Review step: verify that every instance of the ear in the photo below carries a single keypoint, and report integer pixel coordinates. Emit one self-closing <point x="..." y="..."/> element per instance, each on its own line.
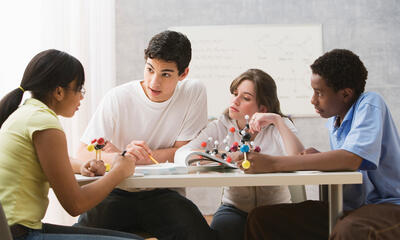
<point x="58" y="94"/>
<point x="263" y="109"/>
<point x="347" y="94"/>
<point x="184" y="74"/>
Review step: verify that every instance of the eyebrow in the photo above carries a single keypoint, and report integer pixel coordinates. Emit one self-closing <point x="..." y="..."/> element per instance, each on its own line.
<point x="245" y="93"/>
<point x="164" y="70"/>
<point x="249" y="93"/>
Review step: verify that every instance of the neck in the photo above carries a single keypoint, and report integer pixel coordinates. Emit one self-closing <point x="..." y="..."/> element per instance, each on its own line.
<point x="240" y="124"/>
<point x="50" y="104"/>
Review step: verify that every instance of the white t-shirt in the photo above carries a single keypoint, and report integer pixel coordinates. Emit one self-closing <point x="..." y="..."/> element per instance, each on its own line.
<point x="126" y="114"/>
<point x="270" y="142"/>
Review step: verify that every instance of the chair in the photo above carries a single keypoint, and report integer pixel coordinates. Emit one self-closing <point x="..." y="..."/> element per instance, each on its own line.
<point x="5" y="233"/>
<point x="297" y="193"/>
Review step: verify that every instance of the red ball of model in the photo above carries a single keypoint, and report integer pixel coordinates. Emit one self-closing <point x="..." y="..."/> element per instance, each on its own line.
<point x="100" y="141"/>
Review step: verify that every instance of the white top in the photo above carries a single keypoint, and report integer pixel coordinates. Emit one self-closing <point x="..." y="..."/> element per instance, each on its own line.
<point x="126" y="114"/>
<point x="270" y="142"/>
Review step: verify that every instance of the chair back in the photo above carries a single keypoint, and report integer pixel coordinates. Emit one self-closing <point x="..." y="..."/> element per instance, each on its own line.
<point x="298" y="193"/>
<point x="5" y="233"/>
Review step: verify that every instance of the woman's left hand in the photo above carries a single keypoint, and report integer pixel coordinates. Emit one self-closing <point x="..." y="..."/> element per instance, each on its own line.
<point x="260" y="120"/>
<point x="93" y="168"/>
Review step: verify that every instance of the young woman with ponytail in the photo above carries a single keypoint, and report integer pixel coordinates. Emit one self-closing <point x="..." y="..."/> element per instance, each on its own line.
<point x="34" y="156"/>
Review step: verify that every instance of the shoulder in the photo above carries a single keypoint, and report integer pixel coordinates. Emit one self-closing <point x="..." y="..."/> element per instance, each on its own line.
<point x="289" y="123"/>
<point x="40" y="119"/>
<point x="370" y="99"/>
<point x="224" y="122"/>
<point x="192" y="86"/>
<point x="123" y="90"/>
<point x="121" y="94"/>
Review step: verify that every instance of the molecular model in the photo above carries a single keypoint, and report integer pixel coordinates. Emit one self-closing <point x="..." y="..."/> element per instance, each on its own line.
<point x="245" y="145"/>
<point x="97" y="145"/>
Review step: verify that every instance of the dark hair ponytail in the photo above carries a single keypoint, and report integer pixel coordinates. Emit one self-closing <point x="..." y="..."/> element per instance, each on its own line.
<point x="45" y="72"/>
<point x="9" y="104"/>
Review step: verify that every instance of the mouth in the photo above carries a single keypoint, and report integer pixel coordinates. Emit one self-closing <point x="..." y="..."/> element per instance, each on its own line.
<point x="233" y="109"/>
<point x="318" y="110"/>
<point x="154" y="92"/>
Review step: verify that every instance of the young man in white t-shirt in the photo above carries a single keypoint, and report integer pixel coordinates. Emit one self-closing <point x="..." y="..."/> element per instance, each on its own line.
<point x="151" y="117"/>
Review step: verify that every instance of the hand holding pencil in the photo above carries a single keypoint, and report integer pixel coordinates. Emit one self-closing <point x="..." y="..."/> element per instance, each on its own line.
<point x="142" y="152"/>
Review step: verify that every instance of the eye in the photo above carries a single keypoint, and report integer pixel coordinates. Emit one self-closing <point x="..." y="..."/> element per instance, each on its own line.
<point x="166" y="75"/>
<point x="246" y="98"/>
<point x="150" y="70"/>
<point x="318" y="93"/>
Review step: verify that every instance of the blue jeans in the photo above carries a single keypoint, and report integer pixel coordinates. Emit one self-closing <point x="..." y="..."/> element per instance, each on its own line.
<point x="162" y="213"/>
<point x="57" y="232"/>
<point x="229" y="222"/>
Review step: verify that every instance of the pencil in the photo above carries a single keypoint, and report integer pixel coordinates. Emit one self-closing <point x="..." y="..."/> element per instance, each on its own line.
<point x="155" y="161"/>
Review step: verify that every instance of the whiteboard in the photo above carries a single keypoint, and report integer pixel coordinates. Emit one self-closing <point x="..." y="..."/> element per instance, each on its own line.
<point x="285" y="52"/>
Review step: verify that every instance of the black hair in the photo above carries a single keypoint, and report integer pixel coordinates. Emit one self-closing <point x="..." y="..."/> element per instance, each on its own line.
<point x="170" y="46"/>
<point x="341" y="69"/>
<point x="45" y="72"/>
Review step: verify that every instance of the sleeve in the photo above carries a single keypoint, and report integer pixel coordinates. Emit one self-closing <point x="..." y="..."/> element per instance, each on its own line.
<point x="196" y="116"/>
<point x="365" y="136"/>
<point x="103" y="120"/>
<point x="42" y="120"/>
<point x="210" y="131"/>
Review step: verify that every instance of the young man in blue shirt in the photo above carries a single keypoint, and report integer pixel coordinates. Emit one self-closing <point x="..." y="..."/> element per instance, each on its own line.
<point x="363" y="137"/>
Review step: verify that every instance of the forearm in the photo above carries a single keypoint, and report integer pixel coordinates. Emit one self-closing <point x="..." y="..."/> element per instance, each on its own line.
<point x="76" y="165"/>
<point x="88" y="196"/>
<point x="165" y="154"/>
<point x="293" y="146"/>
<point x="326" y="161"/>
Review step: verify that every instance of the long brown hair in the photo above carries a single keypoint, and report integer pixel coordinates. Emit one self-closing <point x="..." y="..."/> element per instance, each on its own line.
<point x="264" y="87"/>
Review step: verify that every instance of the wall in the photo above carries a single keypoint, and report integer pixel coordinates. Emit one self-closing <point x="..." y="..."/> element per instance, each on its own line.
<point x="367" y="27"/>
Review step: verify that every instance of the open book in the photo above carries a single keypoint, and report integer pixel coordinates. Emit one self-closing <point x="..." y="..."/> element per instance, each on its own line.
<point x="197" y="157"/>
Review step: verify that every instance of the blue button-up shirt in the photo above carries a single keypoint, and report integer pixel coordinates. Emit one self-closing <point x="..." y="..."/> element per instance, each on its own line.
<point x="368" y="131"/>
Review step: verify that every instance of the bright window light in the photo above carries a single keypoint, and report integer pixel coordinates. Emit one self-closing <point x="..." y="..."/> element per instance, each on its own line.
<point x="20" y="25"/>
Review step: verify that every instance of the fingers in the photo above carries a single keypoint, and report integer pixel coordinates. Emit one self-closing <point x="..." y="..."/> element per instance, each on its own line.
<point x="97" y="167"/>
<point x="260" y="120"/>
<point x="85" y="169"/>
<point x="142" y="144"/>
<point x="139" y="152"/>
<point x="86" y="172"/>
<point x="256" y="122"/>
<point x="110" y="148"/>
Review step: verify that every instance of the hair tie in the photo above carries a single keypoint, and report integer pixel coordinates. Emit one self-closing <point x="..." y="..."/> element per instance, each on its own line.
<point x="23" y="90"/>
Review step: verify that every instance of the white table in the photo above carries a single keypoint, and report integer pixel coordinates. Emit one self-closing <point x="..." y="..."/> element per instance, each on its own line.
<point x="334" y="180"/>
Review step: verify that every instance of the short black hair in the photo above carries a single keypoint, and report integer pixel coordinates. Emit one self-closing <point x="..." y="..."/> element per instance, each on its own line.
<point x="170" y="46"/>
<point x="341" y="69"/>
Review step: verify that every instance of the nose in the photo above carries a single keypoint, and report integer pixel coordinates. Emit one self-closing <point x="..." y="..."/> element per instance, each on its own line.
<point x="155" y="81"/>
<point x="236" y="100"/>
<point x="314" y="99"/>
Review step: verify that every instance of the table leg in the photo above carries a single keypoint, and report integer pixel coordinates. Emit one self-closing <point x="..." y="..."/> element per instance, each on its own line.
<point x="335" y="194"/>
